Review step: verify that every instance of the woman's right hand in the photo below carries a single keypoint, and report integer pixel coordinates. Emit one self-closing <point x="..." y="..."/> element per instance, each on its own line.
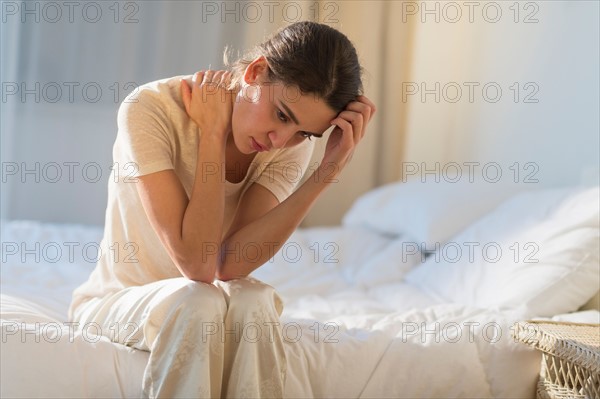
<point x="208" y="102"/>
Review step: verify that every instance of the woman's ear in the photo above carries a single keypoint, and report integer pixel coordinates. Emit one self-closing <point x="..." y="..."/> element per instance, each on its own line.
<point x="255" y="70"/>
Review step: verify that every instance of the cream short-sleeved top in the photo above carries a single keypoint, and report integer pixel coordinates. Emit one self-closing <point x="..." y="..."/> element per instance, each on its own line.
<point x="155" y="133"/>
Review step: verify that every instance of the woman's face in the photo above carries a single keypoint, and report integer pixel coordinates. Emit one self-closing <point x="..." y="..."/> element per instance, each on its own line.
<point x="271" y="115"/>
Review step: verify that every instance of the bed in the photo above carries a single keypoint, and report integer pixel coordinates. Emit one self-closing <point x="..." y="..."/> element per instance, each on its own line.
<point x="413" y="295"/>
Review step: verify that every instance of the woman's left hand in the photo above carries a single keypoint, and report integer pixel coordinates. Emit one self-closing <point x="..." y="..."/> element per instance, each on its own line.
<point x="351" y="125"/>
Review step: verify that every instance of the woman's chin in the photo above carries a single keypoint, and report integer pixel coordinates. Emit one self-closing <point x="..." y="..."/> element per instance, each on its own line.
<point x="244" y="149"/>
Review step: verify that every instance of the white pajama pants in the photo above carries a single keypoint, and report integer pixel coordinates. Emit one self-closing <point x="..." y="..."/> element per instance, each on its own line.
<point x="205" y="340"/>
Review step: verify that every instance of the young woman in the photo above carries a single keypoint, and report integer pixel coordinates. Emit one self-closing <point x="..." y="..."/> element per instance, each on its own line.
<point x="203" y="194"/>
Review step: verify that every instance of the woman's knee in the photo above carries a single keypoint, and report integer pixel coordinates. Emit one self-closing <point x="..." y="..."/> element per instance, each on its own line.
<point x="185" y="303"/>
<point x="198" y="296"/>
<point x="188" y="298"/>
<point x="251" y="296"/>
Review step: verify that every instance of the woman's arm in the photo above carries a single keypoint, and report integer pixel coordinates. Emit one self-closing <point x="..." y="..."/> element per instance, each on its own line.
<point x="252" y="245"/>
<point x="262" y="223"/>
<point x="191" y="230"/>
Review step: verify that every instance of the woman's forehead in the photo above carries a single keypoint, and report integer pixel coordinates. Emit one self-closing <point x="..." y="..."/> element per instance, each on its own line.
<point x="292" y="96"/>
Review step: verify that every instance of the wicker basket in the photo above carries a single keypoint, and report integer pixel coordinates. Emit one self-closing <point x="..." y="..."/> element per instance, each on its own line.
<point x="570" y="360"/>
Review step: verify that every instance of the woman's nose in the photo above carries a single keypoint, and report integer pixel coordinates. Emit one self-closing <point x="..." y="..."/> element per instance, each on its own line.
<point x="279" y="138"/>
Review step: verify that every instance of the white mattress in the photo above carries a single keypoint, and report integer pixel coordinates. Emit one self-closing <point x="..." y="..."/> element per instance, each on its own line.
<point x="355" y="329"/>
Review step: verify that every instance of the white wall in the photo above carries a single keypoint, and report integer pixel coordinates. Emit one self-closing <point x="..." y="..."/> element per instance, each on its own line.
<point x="558" y="134"/>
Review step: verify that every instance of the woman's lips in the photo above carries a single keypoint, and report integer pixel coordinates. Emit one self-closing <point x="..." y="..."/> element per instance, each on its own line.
<point x="257" y="146"/>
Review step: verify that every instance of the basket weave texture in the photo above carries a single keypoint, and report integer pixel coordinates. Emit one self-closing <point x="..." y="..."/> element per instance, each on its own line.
<point x="570" y="357"/>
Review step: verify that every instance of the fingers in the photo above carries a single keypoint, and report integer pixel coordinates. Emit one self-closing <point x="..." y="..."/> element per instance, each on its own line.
<point x="347" y="139"/>
<point x="358" y="113"/>
<point x="197" y="82"/>
<point x="186" y="95"/>
<point x="226" y="79"/>
<point x="356" y="119"/>
<point x="219" y="78"/>
<point x="208" y="76"/>
<point x="198" y="76"/>
<point x="365" y="100"/>
<point x="211" y="79"/>
<point x="362" y="108"/>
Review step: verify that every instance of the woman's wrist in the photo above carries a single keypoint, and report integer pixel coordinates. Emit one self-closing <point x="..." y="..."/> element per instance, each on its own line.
<point x="326" y="173"/>
<point x="213" y="137"/>
<point x="320" y="179"/>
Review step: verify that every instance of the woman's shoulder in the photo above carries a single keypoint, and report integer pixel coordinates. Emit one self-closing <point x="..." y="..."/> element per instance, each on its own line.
<point x="300" y="153"/>
<point x="297" y="152"/>
<point x="162" y="89"/>
<point x="162" y="96"/>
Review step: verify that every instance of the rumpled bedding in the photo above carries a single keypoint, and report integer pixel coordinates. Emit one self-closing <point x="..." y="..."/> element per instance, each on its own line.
<point x="352" y="326"/>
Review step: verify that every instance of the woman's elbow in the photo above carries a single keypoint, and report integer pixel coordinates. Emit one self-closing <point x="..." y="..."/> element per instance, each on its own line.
<point x="225" y="274"/>
<point x="202" y="272"/>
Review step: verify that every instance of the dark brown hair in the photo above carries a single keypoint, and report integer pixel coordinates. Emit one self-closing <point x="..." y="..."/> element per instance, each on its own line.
<point x="316" y="58"/>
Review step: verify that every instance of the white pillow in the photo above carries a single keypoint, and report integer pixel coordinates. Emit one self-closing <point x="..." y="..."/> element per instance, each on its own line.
<point x="548" y="261"/>
<point x="428" y="212"/>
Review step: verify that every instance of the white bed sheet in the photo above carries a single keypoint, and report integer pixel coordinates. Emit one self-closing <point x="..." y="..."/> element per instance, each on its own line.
<point x="352" y="327"/>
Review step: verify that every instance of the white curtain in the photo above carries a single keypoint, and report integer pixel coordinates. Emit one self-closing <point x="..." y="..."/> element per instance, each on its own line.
<point x="66" y="66"/>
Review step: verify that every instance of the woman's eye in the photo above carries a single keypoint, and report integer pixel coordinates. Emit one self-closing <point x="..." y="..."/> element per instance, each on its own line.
<point x="282" y="117"/>
<point x="306" y="135"/>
